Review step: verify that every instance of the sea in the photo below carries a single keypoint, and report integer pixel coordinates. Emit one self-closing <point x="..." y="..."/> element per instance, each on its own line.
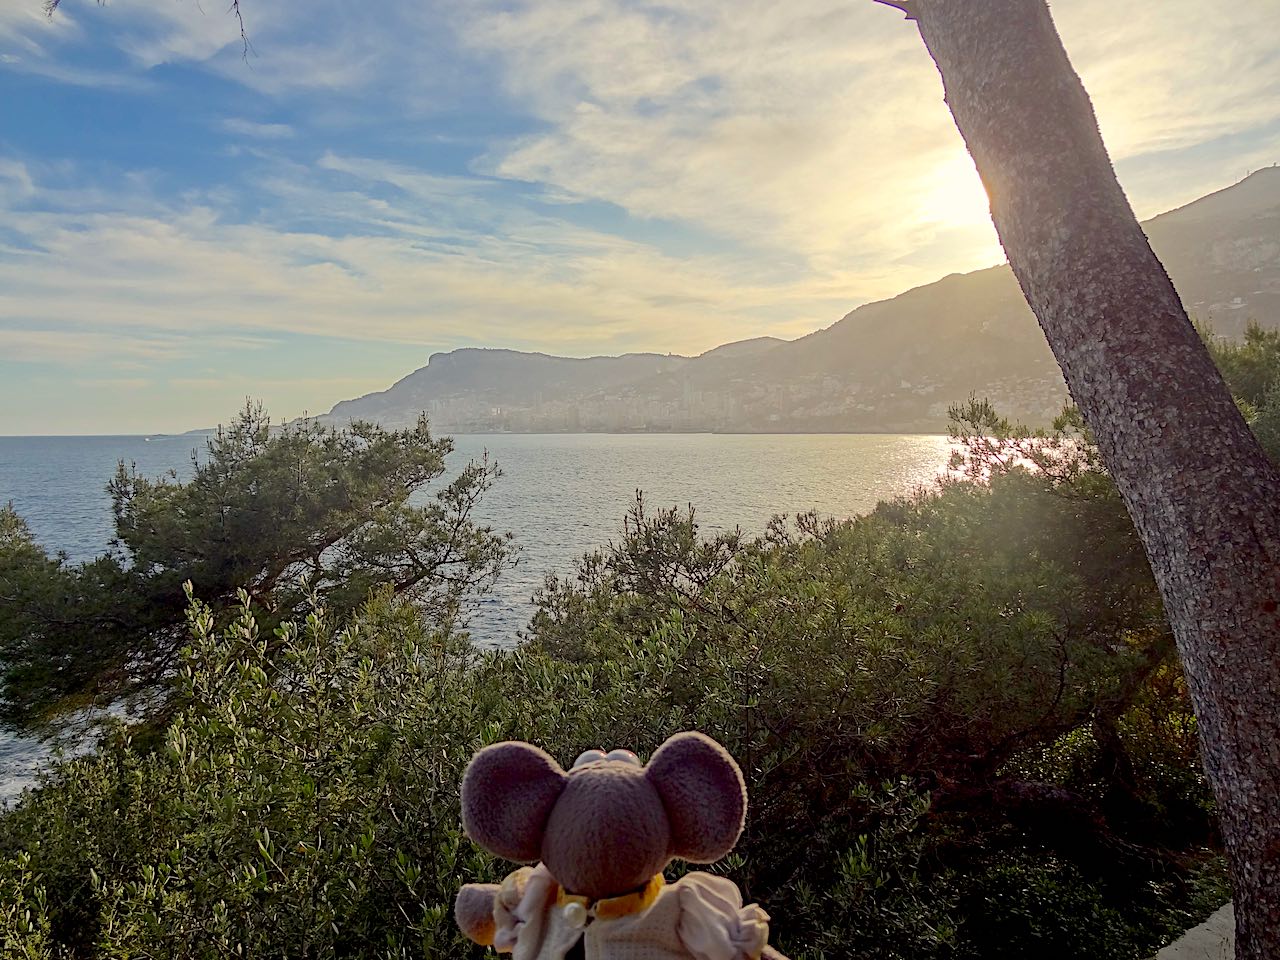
<point x="560" y="495"/>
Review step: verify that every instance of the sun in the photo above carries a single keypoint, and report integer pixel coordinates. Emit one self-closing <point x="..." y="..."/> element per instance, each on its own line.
<point x="952" y="200"/>
<point x="953" y="194"/>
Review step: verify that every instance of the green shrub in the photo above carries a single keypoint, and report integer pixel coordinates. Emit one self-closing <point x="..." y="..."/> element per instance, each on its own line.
<point x="285" y="512"/>
<point x="914" y="698"/>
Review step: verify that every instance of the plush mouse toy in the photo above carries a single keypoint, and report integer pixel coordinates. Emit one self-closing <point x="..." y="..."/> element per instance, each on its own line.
<point x="603" y="832"/>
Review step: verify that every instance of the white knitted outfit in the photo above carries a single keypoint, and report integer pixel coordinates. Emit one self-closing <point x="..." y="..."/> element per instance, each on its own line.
<point x="699" y="917"/>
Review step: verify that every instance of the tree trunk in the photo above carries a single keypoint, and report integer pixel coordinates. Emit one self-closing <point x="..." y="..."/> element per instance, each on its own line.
<point x="1202" y="494"/>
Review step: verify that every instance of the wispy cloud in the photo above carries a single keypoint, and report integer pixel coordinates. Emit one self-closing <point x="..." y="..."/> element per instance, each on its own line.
<point x="1174" y="74"/>
<point x="814" y="129"/>
<point x="26" y="26"/>
<point x="15" y="181"/>
<point x="249" y="384"/>
<point x="431" y="266"/>
<point x="30" y="42"/>
<point x="113" y="383"/>
<point x="1186" y="93"/>
<point x="157" y="34"/>
<point x="79" y="347"/>
<point x="258" y="131"/>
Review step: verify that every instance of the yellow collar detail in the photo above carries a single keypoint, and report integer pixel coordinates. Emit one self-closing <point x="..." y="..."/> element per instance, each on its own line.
<point x="615" y="907"/>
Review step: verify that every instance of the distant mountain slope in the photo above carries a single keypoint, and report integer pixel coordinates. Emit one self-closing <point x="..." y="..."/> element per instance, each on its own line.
<point x="1223" y="252"/>
<point x="892" y="365"/>
<point x="742" y="348"/>
<point x="468" y="384"/>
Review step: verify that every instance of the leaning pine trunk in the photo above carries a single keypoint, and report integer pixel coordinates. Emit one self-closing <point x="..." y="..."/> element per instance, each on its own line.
<point x="1203" y="495"/>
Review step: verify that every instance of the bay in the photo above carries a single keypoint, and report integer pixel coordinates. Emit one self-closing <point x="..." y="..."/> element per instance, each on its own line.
<point x="560" y="495"/>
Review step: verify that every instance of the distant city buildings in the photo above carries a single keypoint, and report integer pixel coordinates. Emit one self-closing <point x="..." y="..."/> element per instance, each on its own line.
<point x="814" y="403"/>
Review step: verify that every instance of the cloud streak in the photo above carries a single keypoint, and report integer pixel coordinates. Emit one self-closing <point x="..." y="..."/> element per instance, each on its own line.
<point x="408" y="271"/>
<point x="257" y="131"/>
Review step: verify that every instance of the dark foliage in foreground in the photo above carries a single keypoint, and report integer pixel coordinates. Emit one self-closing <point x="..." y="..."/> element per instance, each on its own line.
<point x="964" y="734"/>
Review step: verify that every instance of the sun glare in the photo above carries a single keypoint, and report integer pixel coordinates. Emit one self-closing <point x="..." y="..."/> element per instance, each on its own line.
<point x="952" y="198"/>
<point x="953" y="194"/>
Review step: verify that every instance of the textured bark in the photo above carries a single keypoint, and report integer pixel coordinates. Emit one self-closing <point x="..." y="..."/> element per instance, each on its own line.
<point x="1203" y="495"/>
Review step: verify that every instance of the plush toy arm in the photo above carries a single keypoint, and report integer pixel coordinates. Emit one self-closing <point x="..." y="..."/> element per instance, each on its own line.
<point x="473" y="909"/>
<point x="493" y="915"/>
<point x="714" y="925"/>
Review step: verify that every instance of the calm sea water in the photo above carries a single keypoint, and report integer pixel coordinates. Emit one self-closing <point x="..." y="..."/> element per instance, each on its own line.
<point x="560" y="495"/>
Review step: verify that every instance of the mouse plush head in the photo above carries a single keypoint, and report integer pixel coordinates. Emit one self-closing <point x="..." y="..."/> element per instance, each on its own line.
<point x="609" y="825"/>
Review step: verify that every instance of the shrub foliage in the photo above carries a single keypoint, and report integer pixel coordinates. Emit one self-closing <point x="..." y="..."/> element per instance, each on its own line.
<point x="949" y="754"/>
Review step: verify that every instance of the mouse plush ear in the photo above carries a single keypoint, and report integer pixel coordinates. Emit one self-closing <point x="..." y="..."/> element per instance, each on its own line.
<point x="703" y="794"/>
<point x="507" y="795"/>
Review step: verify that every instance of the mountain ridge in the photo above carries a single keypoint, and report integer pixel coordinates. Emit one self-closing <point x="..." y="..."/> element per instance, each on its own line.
<point x="889" y="365"/>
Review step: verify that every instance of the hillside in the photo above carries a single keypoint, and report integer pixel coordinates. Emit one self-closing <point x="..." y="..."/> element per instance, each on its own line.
<point x="465" y="387"/>
<point x="891" y="365"/>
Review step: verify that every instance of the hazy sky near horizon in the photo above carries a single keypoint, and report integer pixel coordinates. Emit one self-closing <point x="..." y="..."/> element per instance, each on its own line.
<point x="182" y="226"/>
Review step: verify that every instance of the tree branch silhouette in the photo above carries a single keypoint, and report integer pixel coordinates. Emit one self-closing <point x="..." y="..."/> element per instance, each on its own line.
<point x="51" y="7"/>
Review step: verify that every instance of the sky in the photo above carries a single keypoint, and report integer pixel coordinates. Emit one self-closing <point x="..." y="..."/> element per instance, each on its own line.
<point x="185" y="224"/>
